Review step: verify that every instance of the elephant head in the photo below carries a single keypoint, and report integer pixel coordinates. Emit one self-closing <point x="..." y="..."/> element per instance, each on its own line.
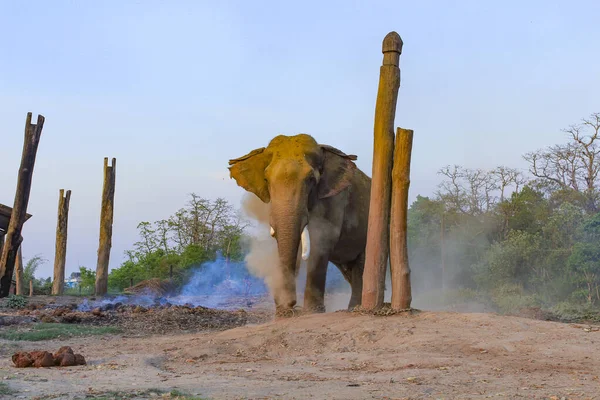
<point x="293" y="173"/>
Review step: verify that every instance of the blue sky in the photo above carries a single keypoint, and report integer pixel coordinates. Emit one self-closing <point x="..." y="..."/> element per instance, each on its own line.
<point x="175" y="89"/>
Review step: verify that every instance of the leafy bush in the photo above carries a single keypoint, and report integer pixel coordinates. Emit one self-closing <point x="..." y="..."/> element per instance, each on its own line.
<point x="569" y="312"/>
<point x="16" y="301"/>
<point x="512" y="298"/>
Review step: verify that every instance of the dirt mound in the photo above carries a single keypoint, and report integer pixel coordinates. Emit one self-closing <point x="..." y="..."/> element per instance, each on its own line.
<point x="64" y="357"/>
<point x="152" y="287"/>
<point x="420" y="354"/>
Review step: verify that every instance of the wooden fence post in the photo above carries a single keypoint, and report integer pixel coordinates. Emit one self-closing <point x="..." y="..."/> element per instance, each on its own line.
<point x="60" y="255"/>
<point x="400" y="269"/>
<point x="30" y="288"/>
<point x="19" y="272"/>
<point x="33" y="132"/>
<point x="377" y="248"/>
<point x="106" y="221"/>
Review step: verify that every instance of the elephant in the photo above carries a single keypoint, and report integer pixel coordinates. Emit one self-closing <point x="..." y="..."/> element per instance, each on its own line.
<point x="319" y="206"/>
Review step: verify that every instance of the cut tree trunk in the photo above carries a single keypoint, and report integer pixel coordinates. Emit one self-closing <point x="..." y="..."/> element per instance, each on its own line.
<point x="19" y="272"/>
<point x="378" y="242"/>
<point x="33" y="132"/>
<point x="60" y="255"/>
<point x="400" y="269"/>
<point x="106" y="222"/>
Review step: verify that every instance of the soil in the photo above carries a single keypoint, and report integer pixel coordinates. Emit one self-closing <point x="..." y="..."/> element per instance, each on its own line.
<point x="338" y="355"/>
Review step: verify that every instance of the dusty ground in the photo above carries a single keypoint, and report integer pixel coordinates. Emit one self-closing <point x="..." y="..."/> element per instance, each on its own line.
<point x="430" y="355"/>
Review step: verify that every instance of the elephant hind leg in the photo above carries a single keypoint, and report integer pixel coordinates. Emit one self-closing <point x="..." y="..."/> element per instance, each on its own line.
<point x="353" y="273"/>
<point x="356" y="269"/>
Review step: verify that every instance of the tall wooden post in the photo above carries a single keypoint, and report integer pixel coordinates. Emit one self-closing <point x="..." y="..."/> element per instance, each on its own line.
<point x="400" y="269"/>
<point x="443" y="250"/>
<point x="33" y="132"/>
<point x="19" y="272"/>
<point x="30" y="288"/>
<point x="60" y="255"/>
<point x="378" y="242"/>
<point x="106" y="221"/>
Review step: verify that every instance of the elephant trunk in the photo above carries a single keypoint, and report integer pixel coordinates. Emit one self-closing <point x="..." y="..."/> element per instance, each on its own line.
<point x="291" y="232"/>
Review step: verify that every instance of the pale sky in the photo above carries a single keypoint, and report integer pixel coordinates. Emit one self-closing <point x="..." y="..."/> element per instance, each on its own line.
<point x="175" y="89"/>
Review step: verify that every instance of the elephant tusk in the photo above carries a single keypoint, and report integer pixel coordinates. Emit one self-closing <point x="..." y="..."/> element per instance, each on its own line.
<point x="272" y="232"/>
<point x="305" y="243"/>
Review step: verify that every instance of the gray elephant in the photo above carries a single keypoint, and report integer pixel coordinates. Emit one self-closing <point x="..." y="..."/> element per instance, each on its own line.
<point x="319" y="204"/>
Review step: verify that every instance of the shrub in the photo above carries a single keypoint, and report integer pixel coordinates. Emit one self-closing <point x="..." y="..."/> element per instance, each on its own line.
<point x="16" y="301"/>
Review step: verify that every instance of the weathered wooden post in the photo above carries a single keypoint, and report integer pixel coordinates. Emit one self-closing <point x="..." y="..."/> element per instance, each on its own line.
<point x="33" y="132"/>
<point x="30" y="288"/>
<point x="60" y="255"/>
<point x="378" y="242"/>
<point x="19" y="271"/>
<point x="106" y="221"/>
<point x="400" y="269"/>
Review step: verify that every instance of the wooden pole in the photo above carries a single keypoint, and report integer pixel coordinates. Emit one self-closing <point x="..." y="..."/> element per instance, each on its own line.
<point x="30" y="288"/>
<point x="106" y="221"/>
<point x="378" y="242"/>
<point x="19" y="272"/>
<point x="443" y="250"/>
<point x="33" y="132"/>
<point x="400" y="269"/>
<point x="60" y="255"/>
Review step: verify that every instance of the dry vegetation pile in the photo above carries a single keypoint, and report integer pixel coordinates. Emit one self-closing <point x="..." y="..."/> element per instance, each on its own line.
<point x="136" y="319"/>
<point x="153" y="287"/>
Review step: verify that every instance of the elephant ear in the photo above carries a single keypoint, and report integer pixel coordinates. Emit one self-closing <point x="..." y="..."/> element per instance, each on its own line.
<point x="338" y="170"/>
<point x="249" y="173"/>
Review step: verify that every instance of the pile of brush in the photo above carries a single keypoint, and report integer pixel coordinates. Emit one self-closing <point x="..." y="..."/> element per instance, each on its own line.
<point x="152" y="287"/>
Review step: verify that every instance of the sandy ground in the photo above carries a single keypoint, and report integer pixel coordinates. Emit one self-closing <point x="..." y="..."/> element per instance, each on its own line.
<point x="430" y="355"/>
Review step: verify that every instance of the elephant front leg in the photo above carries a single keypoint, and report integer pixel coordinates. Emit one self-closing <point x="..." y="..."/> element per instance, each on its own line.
<point x="316" y="274"/>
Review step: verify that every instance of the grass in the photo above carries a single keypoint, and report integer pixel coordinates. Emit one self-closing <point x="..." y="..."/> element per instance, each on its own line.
<point x="4" y="389"/>
<point x="161" y="394"/>
<point x="48" y="331"/>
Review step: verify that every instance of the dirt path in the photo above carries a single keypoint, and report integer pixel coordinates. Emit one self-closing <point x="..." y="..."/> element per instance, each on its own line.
<point x="439" y="355"/>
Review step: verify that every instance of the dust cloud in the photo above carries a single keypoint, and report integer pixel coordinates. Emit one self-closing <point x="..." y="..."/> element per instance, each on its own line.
<point x="262" y="259"/>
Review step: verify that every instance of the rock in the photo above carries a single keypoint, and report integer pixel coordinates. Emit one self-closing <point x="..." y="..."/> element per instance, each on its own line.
<point x="59" y="355"/>
<point x="22" y="360"/>
<point x="68" y="360"/>
<point x="64" y="357"/>
<point x="79" y="359"/>
<point x="43" y="360"/>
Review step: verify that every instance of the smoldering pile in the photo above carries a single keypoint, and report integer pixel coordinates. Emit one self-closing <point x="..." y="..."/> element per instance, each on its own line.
<point x="158" y="316"/>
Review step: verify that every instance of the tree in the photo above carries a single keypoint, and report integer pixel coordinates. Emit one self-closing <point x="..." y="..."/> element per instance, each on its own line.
<point x="87" y="279"/>
<point x="31" y="267"/>
<point x="584" y="262"/>
<point x="573" y="166"/>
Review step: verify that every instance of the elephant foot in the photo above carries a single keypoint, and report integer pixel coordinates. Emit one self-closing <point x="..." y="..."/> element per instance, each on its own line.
<point x="314" y="309"/>
<point x="287" y="312"/>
